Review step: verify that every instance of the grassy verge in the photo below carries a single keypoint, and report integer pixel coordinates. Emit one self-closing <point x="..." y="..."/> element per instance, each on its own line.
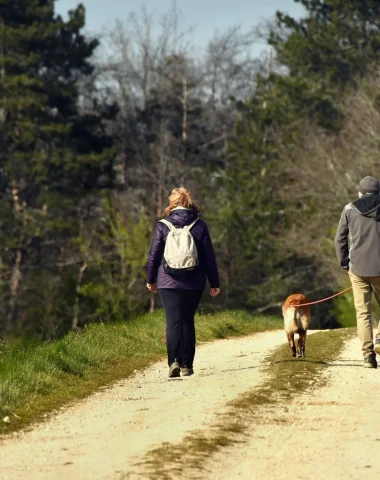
<point x="36" y="380"/>
<point x="287" y="378"/>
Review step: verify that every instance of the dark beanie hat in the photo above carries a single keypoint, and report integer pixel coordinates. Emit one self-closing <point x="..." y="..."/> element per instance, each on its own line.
<point x="369" y="185"/>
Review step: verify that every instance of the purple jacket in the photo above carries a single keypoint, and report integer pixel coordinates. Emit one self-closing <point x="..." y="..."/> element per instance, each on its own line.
<point x="195" y="280"/>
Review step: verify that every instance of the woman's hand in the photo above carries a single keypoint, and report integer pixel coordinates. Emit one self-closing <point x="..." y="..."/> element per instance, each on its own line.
<point x="152" y="287"/>
<point x="214" y="292"/>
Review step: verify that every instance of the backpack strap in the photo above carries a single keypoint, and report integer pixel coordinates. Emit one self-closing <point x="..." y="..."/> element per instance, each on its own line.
<point x="168" y="224"/>
<point x="189" y="227"/>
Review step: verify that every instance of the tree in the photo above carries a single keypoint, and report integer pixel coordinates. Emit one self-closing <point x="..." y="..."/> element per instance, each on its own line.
<point x="51" y="157"/>
<point x="177" y="113"/>
<point x="337" y="41"/>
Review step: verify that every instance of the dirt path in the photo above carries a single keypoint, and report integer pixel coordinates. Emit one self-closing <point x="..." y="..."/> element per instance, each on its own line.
<point x="104" y="436"/>
<point x="327" y="434"/>
<point x="330" y="433"/>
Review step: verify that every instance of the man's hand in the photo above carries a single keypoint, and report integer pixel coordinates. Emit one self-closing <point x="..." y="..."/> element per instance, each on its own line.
<point x="152" y="287"/>
<point x="214" y="292"/>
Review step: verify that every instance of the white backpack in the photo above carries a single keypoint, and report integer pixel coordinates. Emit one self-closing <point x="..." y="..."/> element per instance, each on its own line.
<point x="180" y="254"/>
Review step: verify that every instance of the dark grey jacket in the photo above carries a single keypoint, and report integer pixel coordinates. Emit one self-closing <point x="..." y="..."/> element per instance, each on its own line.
<point x="357" y="240"/>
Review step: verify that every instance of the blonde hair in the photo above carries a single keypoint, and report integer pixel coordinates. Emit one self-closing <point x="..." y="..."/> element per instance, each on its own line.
<point x="180" y="197"/>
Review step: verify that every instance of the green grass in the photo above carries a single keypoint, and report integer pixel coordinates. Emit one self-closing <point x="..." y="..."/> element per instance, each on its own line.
<point x="38" y="379"/>
<point x="287" y="379"/>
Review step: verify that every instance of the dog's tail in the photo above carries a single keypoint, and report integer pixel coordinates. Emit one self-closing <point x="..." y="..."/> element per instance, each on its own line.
<point x="297" y="317"/>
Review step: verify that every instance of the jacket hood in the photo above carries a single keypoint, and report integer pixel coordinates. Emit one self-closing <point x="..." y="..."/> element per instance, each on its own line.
<point x="368" y="206"/>
<point x="182" y="217"/>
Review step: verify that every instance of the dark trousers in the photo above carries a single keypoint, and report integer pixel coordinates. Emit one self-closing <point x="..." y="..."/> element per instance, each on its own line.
<point x="180" y="307"/>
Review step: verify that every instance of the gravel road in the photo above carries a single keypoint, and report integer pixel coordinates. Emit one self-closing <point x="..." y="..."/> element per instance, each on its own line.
<point x="104" y="436"/>
<point x="327" y="433"/>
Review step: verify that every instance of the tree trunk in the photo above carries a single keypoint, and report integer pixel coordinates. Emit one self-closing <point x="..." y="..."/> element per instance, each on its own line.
<point x="184" y="103"/>
<point x="74" y="323"/>
<point x="159" y="199"/>
<point x="15" y="280"/>
<point x="14" y="289"/>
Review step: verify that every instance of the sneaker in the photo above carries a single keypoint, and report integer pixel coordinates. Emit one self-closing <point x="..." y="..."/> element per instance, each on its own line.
<point x="370" y="362"/>
<point x="174" y="370"/>
<point x="377" y="346"/>
<point x="186" y="371"/>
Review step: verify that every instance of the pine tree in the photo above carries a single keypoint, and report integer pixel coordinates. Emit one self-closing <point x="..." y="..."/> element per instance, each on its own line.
<point x="337" y="41"/>
<point x="51" y="156"/>
<point x="322" y="55"/>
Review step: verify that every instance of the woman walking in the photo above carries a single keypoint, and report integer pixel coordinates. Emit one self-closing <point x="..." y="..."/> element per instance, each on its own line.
<point x="181" y="256"/>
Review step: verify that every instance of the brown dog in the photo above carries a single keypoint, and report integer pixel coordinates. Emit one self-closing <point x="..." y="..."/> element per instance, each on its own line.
<point x="296" y="320"/>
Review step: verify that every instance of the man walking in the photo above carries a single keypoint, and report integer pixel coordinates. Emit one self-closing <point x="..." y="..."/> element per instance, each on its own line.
<point x="360" y="222"/>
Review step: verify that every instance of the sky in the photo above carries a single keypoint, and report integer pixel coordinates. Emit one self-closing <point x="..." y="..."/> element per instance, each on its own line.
<point x="207" y="16"/>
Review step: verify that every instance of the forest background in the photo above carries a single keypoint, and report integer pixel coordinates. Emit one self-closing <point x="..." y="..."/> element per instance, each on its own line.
<point x="96" y="130"/>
